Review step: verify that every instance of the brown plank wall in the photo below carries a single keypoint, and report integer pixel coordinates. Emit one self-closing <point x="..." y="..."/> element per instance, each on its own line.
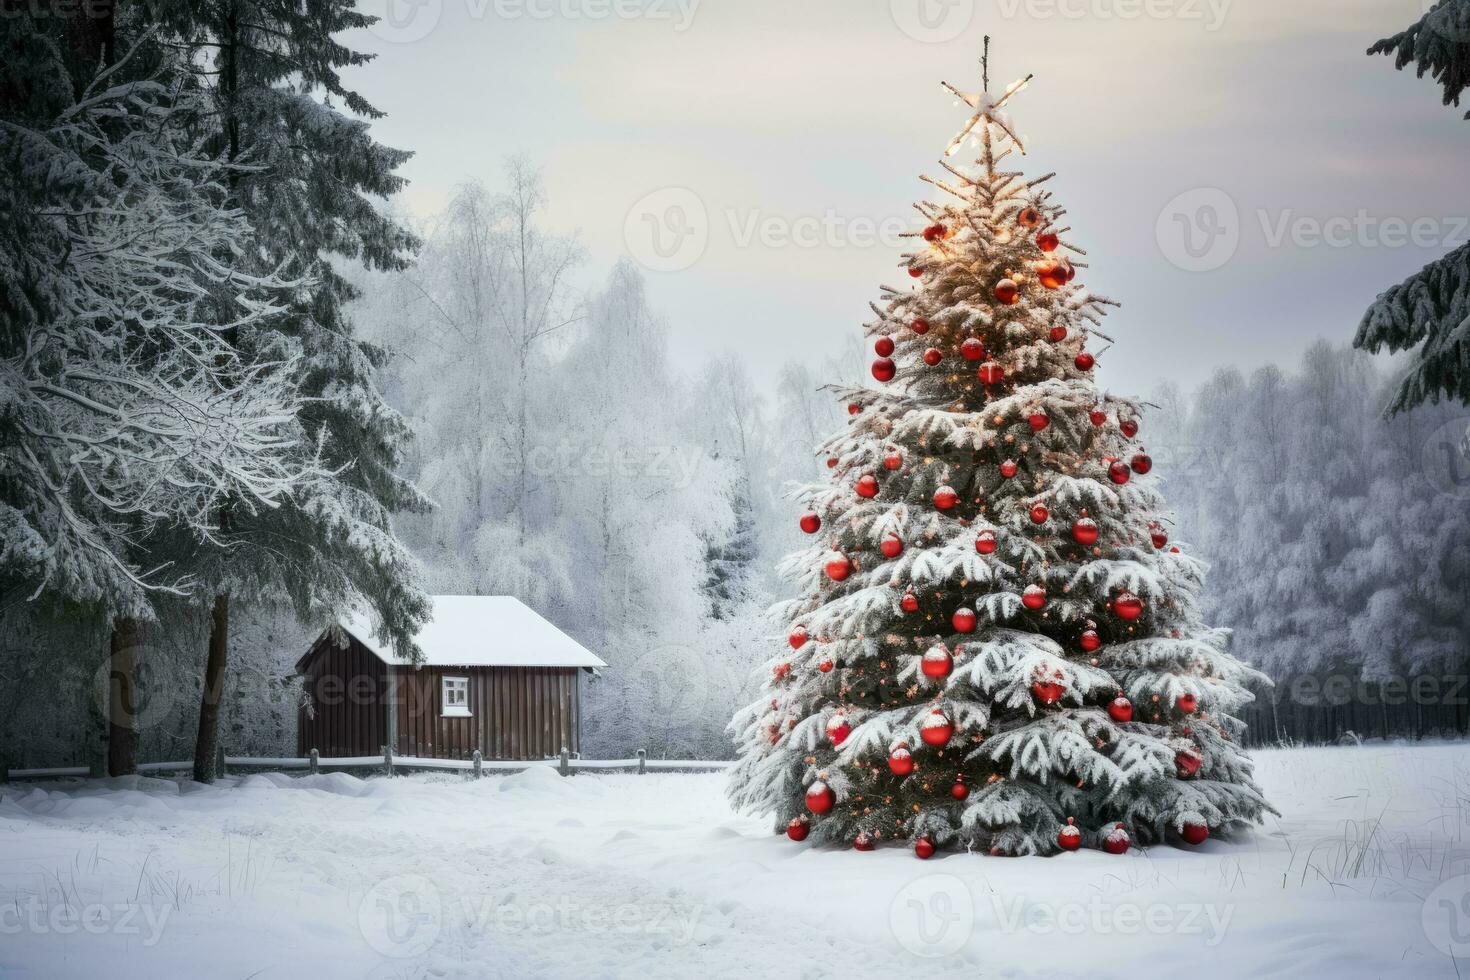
<point x="346" y="713"/>
<point x="516" y="713"/>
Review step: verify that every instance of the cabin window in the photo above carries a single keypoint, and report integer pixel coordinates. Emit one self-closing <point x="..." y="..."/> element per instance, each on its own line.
<point x="456" y="697"/>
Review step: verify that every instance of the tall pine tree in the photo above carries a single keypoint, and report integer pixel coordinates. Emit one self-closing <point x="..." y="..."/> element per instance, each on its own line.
<point x="314" y="176"/>
<point x="1430" y="310"/>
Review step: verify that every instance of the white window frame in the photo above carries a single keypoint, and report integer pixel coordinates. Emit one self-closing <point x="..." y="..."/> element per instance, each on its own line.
<point x="447" y="709"/>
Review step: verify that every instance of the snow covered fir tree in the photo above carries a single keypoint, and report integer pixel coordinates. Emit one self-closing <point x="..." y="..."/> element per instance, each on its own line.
<point x="996" y="646"/>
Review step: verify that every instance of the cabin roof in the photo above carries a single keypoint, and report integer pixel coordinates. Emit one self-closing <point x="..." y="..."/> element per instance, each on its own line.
<point x="480" y="631"/>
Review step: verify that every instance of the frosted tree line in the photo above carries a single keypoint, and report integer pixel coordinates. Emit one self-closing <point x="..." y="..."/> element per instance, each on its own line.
<point x="1338" y="541"/>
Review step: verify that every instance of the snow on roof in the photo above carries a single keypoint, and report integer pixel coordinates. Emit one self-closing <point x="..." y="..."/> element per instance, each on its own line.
<point x="481" y="631"/>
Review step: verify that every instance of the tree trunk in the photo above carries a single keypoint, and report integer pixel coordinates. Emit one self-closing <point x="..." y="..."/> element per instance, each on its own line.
<point x="122" y="698"/>
<point x="214" y="682"/>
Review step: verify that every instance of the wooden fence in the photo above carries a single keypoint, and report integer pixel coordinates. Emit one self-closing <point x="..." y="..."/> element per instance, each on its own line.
<point x="388" y="763"/>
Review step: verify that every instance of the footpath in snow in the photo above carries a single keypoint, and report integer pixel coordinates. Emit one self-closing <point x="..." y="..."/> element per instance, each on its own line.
<point x="1365" y="874"/>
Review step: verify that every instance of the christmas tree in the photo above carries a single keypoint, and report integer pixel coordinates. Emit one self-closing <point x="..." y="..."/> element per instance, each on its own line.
<point x="996" y="646"/>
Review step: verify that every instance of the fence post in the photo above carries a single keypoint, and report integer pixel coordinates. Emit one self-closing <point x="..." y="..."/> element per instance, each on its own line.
<point x="478" y="759"/>
<point x="314" y="762"/>
<point x="565" y="768"/>
<point x="387" y="760"/>
<point x="642" y="761"/>
<point x="219" y="759"/>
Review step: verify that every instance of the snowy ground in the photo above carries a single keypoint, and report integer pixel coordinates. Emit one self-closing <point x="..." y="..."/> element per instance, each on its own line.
<point x="533" y="875"/>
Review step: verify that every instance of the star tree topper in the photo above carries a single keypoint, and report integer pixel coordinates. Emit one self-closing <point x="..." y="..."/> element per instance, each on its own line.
<point x="985" y="107"/>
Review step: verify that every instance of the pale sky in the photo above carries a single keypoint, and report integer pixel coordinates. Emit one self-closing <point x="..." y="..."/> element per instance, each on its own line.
<point x="799" y="128"/>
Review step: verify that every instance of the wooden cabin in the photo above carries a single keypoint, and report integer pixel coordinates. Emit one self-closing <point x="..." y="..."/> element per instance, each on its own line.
<point x="495" y="677"/>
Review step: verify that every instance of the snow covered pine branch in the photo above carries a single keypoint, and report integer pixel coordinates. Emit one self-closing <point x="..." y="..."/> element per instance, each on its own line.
<point x="996" y="645"/>
<point x="126" y="401"/>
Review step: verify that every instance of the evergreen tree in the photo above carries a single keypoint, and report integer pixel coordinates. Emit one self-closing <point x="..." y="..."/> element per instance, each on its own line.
<point x="1429" y="310"/>
<point x="994" y="635"/>
<point x="272" y="69"/>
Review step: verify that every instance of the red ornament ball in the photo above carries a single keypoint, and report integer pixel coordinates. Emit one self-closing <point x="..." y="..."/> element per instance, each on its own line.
<point x="1058" y="333"/>
<point x="853" y="408"/>
<point x="933" y="356"/>
<point x="1129" y="427"/>
<point x="934" y="233"/>
<point x="923" y="848"/>
<point x="1116" y="840"/>
<point x="1194" y="833"/>
<point x="909" y="603"/>
<point x="1034" y="597"/>
<point x="1187" y="703"/>
<point x="1007" y="292"/>
<point x="959" y="790"/>
<point x="1187" y="762"/>
<point x="991" y="373"/>
<point x="819" y="797"/>
<point x="810" y="522"/>
<point x="883" y="347"/>
<point x="1052" y="275"/>
<point x="936" y="729"/>
<point x="1069" y="838"/>
<point x="798" y="637"/>
<point x="839" y="566"/>
<point x="1128" y="606"/>
<point x="1119" y="473"/>
<point x="1084" y="361"/>
<point x="891" y="545"/>
<point x="1084" y="531"/>
<point x="945" y="498"/>
<point x="915" y="272"/>
<point x="831" y="462"/>
<point x="920" y="326"/>
<point x="1038" y="421"/>
<point x="1120" y="709"/>
<point x="1089" y="641"/>
<point x="798" y="828"/>
<point x="1047" y="241"/>
<point x="838" y="728"/>
<point x="825" y="666"/>
<point x="901" y="760"/>
<point x="972" y="349"/>
<point x="1159" y="539"/>
<point x="893" y="461"/>
<point x="866" y="486"/>
<point x="884" y="369"/>
<point x="963" y="620"/>
<point x="1097" y="416"/>
<point x="1008" y="468"/>
<point x="937" y="662"/>
<point x="1039" y="513"/>
<point x="985" y="542"/>
<point x="1048" y="692"/>
<point x="1141" y="463"/>
<point x="863" y="841"/>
